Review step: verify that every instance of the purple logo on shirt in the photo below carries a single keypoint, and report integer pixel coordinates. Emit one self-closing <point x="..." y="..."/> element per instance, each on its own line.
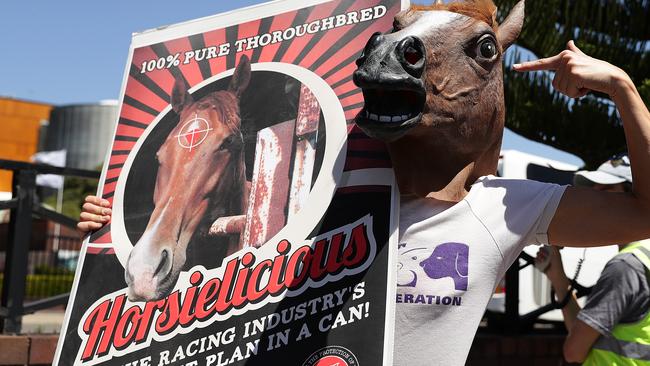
<point x="447" y="260"/>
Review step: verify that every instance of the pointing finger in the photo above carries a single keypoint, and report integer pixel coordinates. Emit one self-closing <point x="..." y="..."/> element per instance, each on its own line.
<point x="572" y="46"/>
<point x="549" y="63"/>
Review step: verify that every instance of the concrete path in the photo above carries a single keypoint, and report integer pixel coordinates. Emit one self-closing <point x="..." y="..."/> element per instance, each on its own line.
<point x="43" y="322"/>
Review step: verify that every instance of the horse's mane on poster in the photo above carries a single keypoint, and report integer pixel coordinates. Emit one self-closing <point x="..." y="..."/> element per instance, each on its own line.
<point x="483" y="10"/>
<point x="228" y="106"/>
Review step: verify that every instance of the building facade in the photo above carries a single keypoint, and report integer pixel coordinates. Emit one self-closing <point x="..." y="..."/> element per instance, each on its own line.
<point x="20" y="122"/>
<point x="84" y="131"/>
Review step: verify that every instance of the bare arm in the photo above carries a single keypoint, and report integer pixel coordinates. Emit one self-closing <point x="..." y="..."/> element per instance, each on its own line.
<point x="581" y="336"/>
<point x="586" y="217"/>
<point x="579" y="342"/>
<point x="560" y="283"/>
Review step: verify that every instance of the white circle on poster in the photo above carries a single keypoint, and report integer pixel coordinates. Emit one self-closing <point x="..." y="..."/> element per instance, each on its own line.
<point x="301" y="224"/>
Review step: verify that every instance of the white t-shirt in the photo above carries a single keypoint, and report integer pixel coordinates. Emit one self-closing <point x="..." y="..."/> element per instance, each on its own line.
<point x="451" y="257"/>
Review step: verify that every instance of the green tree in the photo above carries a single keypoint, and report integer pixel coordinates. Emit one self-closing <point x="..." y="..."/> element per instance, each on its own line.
<point x="613" y="30"/>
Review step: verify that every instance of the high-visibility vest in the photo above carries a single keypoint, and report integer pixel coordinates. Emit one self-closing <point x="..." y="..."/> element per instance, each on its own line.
<point x="629" y="344"/>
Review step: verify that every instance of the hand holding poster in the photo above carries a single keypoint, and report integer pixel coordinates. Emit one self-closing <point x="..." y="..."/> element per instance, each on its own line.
<point x="252" y="223"/>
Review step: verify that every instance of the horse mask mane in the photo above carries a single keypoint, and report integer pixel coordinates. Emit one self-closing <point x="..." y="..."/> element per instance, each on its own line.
<point x="483" y="10"/>
<point x="433" y="90"/>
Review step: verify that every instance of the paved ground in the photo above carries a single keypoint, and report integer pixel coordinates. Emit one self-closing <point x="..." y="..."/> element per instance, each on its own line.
<point x="43" y="322"/>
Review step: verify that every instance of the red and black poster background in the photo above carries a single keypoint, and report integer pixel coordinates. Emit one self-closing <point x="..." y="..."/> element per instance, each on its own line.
<point x="252" y="221"/>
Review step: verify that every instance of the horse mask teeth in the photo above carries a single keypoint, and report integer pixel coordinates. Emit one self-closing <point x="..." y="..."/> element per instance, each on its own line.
<point x="391" y="111"/>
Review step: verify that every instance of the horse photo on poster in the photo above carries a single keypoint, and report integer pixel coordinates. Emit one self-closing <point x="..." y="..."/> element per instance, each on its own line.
<point x="204" y="205"/>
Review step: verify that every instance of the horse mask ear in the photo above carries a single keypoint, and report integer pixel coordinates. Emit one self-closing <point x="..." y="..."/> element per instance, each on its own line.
<point x="180" y="96"/>
<point x="509" y="30"/>
<point x="241" y="77"/>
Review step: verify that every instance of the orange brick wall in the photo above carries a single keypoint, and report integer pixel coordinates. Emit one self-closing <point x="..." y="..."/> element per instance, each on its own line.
<point x="27" y="350"/>
<point x="19" y="125"/>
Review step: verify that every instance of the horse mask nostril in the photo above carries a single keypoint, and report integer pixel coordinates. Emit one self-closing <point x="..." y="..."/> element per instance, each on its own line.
<point x="410" y="52"/>
<point x="163" y="261"/>
<point x="412" y="55"/>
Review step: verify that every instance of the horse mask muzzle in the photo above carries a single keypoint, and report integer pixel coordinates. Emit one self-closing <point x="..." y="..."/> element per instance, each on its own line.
<point x="390" y="73"/>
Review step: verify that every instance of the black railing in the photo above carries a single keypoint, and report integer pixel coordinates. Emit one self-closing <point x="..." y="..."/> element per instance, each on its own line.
<point x="17" y="285"/>
<point x="50" y="270"/>
<point x="511" y="322"/>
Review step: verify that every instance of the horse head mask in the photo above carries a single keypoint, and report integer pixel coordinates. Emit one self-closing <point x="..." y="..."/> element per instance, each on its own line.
<point x="433" y="87"/>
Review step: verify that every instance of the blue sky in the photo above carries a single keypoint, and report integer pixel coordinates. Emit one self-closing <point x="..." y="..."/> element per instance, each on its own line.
<point x="73" y="51"/>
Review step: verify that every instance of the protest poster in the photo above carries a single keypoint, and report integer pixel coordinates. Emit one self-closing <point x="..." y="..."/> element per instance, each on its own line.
<point x="252" y="222"/>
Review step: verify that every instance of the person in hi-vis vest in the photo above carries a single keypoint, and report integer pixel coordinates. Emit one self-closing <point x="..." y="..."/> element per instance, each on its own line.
<point x="614" y="326"/>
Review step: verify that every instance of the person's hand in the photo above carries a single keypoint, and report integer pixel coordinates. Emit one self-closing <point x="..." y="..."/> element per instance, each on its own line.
<point x="95" y="213"/>
<point x="576" y="73"/>
<point x="555" y="269"/>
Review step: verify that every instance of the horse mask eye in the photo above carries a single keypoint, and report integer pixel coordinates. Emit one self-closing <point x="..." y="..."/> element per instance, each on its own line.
<point x="487" y="49"/>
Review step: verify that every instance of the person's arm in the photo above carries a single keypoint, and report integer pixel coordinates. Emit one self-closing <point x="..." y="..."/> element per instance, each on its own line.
<point x="95" y="213"/>
<point x="586" y="217"/>
<point x="581" y="336"/>
<point x="579" y="342"/>
<point x="560" y="283"/>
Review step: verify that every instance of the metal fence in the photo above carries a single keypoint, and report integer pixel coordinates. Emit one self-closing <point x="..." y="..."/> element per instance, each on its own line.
<point x="50" y="272"/>
<point x="34" y="279"/>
